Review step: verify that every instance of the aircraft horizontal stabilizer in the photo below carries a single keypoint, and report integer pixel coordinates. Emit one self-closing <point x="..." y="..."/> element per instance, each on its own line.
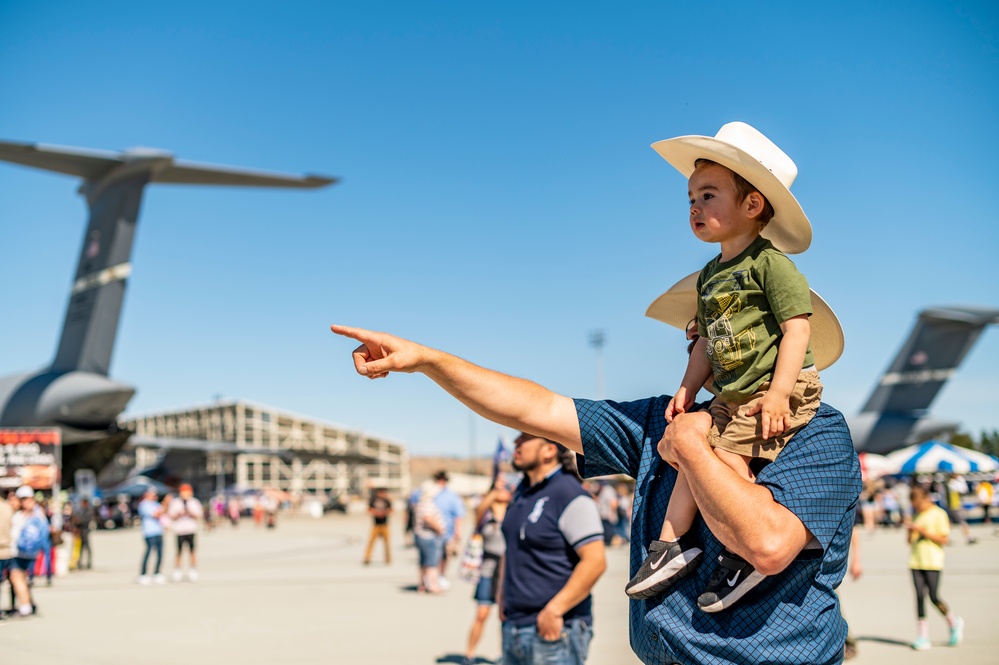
<point x="80" y="162"/>
<point x="93" y="165"/>
<point x="192" y="173"/>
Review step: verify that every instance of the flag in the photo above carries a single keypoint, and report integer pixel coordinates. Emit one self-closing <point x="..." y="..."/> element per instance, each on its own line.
<point x="501" y="455"/>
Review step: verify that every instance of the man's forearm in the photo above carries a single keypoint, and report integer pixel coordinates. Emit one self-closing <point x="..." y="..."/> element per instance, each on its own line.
<point x="504" y="399"/>
<point x="742" y="515"/>
<point x="510" y="401"/>
<point x="591" y="566"/>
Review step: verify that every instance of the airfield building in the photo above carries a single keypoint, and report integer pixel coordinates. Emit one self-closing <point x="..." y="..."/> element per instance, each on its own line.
<point x="253" y="447"/>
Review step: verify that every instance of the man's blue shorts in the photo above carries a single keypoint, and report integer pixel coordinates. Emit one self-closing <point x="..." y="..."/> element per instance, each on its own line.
<point x="430" y="550"/>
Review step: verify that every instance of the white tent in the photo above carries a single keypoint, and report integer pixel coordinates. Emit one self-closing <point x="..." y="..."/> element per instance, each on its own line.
<point x="874" y="466"/>
<point x="934" y="456"/>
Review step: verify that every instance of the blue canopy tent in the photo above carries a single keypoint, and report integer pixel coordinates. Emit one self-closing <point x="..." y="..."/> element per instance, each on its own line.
<point x="937" y="456"/>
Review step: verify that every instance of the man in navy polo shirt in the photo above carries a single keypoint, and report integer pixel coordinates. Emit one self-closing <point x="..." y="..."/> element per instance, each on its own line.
<point x="793" y="524"/>
<point x="554" y="556"/>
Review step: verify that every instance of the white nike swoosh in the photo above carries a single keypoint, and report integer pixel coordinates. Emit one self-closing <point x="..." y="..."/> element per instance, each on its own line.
<point x="734" y="579"/>
<point x="660" y="562"/>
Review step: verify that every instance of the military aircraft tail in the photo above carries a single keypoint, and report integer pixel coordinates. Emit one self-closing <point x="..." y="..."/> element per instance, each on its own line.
<point x="895" y="413"/>
<point x="113" y="184"/>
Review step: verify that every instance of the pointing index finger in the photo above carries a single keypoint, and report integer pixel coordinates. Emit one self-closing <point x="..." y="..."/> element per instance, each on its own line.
<point x="359" y="334"/>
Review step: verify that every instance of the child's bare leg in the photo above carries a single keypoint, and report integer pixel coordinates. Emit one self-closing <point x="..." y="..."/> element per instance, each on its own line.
<point x="680" y="511"/>
<point x="738" y="463"/>
<point x="676" y="553"/>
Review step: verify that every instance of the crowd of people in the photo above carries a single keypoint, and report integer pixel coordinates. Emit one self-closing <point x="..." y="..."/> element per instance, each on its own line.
<point x="37" y="538"/>
<point x="885" y="501"/>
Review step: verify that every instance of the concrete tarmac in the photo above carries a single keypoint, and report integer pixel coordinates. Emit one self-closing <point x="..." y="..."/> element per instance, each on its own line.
<point x="299" y="594"/>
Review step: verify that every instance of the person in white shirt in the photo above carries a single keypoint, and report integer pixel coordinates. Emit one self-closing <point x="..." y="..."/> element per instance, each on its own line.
<point x="185" y="513"/>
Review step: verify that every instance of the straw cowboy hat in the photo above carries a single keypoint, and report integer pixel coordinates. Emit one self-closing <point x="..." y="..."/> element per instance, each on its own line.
<point x="678" y="306"/>
<point x="752" y="155"/>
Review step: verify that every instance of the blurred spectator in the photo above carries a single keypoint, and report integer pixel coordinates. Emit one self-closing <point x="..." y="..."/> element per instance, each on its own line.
<point x="151" y="513"/>
<point x="185" y="514"/>
<point x="429" y="529"/>
<point x="453" y="510"/>
<point x="956" y="489"/>
<point x="624" y="504"/>
<point x="607" y="506"/>
<point x="82" y="519"/>
<point x="380" y="508"/>
<point x="984" y="493"/>
<point x="489" y="516"/>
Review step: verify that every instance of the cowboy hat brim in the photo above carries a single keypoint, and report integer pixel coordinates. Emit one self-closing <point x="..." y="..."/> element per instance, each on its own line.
<point x="789" y="230"/>
<point x="678" y="306"/>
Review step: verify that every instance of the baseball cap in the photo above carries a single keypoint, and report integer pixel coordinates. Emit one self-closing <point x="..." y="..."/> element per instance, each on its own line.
<point x="24" y="492"/>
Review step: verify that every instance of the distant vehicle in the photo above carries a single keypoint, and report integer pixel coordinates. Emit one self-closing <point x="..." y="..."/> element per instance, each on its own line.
<point x="74" y="392"/>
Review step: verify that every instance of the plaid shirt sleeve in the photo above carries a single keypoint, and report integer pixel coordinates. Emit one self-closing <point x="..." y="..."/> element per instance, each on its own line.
<point x="613" y="433"/>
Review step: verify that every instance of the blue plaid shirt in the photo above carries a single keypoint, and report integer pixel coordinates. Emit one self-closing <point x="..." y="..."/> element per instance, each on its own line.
<point x="792" y="617"/>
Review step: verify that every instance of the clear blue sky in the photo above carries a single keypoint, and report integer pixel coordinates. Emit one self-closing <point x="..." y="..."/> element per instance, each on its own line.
<point x="499" y="196"/>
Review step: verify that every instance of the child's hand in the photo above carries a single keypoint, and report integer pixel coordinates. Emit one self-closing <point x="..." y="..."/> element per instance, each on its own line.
<point x="679" y="404"/>
<point x="776" y="414"/>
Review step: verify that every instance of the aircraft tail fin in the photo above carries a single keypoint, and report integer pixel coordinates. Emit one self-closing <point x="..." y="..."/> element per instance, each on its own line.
<point x="113" y="183"/>
<point x="95" y="300"/>
<point x="943" y="336"/>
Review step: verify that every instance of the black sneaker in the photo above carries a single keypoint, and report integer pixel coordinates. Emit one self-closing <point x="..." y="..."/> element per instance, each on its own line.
<point x="666" y="563"/>
<point x="731" y="580"/>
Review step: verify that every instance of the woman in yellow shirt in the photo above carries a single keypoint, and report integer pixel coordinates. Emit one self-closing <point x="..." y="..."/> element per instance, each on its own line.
<point x="928" y="532"/>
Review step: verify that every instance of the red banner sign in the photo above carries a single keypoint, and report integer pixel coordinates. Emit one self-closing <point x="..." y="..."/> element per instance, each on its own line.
<point x="29" y="457"/>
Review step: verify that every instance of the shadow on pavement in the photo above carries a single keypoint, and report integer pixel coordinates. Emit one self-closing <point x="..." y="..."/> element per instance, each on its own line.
<point x="884" y="640"/>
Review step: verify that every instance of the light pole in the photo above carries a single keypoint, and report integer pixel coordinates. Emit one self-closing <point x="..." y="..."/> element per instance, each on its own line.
<point x="597" y="341"/>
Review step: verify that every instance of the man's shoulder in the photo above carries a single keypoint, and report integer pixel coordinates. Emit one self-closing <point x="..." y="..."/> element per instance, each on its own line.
<point x="566" y="488"/>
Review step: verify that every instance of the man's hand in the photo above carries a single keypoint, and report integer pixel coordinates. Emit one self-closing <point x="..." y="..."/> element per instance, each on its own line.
<point x="679" y="404"/>
<point x="856" y="568"/>
<point x="687" y="431"/>
<point x="381" y="353"/>
<point x="550" y="625"/>
<point x="776" y="410"/>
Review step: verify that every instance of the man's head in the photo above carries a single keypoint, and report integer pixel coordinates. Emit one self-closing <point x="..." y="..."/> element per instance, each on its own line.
<point x="719" y="210"/>
<point x="441" y="477"/>
<point x="150" y="494"/>
<point x="26" y="495"/>
<point x="535" y="453"/>
<point x="186" y="491"/>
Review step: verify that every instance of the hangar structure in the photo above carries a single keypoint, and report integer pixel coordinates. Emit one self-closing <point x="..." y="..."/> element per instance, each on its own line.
<point x="253" y="447"/>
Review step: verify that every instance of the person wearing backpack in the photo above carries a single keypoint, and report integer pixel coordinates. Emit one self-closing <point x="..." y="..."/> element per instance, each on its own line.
<point x="29" y="535"/>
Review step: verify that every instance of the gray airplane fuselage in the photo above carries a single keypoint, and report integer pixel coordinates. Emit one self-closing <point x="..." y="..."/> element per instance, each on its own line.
<point x="84" y="405"/>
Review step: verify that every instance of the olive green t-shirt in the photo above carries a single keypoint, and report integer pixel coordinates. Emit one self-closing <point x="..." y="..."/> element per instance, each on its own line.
<point x="741" y="304"/>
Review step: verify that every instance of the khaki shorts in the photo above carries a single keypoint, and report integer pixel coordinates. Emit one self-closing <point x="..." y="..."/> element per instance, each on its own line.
<point x="738" y="433"/>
